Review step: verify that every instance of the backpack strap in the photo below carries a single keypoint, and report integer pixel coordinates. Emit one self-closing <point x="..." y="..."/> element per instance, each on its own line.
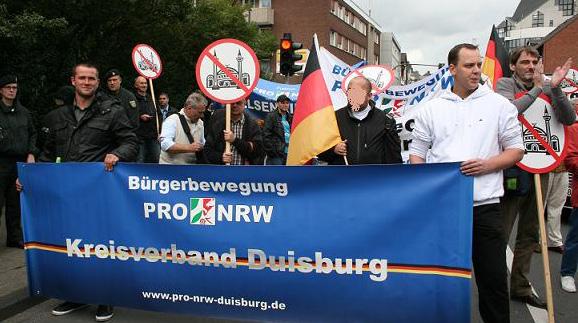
<point x="186" y="128"/>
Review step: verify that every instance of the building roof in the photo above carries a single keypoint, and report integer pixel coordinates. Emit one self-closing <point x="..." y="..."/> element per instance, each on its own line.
<point x="558" y="29"/>
<point x="526" y="7"/>
<point x="362" y="13"/>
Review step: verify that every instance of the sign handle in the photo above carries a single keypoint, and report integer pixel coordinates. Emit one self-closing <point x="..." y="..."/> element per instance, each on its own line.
<point x="155" y="105"/>
<point x="544" y="248"/>
<point x="345" y="159"/>
<point x="228" y="127"/>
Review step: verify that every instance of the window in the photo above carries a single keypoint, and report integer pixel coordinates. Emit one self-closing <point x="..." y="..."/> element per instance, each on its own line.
<point x="250" y="3"/>
<point x="566" y="6"/>
<point x="376" y="37"/>
<point x="551" y="23"/>
<point x="265" y="3"/>
<point x="376" y="59"/>
<point x="334" y="7"/>
<point x="538" y="19"/>
<point x="333" y="38"/>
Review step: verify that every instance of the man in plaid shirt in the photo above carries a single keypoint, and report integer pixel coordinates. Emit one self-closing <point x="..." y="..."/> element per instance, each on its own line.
<point x="245" y="138"/>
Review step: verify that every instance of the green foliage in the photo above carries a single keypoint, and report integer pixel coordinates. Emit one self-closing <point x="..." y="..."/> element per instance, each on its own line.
<point x="42" y="39"/>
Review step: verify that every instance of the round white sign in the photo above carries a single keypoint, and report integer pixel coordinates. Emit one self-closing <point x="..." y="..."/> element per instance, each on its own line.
<point x="147" y="61"/>
<point x="570" y="83"/>
<point x="227" y="71"/>
<point x="543" y="135"/>
<point x="380" y="76"/>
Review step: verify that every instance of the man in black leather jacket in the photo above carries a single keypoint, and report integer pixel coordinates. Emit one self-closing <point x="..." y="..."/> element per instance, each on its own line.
<point x="369" y="135"/>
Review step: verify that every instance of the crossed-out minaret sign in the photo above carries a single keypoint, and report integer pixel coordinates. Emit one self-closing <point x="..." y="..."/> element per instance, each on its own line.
<point x="544" y="137"/>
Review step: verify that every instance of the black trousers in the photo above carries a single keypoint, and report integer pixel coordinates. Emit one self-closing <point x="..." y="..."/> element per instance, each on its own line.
<point x="489" y="259"/>
<point x="10" y="198"/>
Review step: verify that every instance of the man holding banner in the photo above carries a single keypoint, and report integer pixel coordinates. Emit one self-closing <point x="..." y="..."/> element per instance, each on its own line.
<point x="472" y="124"/>
<point x="522" y="89"/>
<point x="92" y="129"/>
<point x="369" y="135"/>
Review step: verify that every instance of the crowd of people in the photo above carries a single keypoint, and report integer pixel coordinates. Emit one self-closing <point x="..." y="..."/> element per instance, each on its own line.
<point x="469" y="123"/>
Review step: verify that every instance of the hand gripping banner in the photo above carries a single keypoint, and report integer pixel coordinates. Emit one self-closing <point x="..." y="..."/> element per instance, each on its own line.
<point x="293" y="244"/>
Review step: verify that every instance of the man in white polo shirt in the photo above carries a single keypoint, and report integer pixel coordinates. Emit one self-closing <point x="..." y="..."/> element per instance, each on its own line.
<point x="473" y="125"/>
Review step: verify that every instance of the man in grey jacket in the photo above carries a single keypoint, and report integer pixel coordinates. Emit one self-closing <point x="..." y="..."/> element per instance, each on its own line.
<point x="528" y="78"/>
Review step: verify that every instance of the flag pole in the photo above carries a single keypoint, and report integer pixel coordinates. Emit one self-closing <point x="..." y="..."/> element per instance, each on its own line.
<point x="544" y="248"/>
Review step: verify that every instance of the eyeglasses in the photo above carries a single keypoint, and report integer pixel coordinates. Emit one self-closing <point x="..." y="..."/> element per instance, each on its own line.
<point x="13" y="87"/>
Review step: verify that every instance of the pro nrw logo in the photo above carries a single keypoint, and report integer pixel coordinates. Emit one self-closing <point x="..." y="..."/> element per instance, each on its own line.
<point x="205" y="211"/>
<point x="202" y="211"/>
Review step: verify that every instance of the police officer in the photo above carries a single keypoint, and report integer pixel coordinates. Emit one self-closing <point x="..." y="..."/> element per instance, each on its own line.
<point x="17" y="144"/>
<point x="114" y="89"/>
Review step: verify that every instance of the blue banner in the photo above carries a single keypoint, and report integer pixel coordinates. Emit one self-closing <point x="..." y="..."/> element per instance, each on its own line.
<point x="275" y="243"/>
<point x="263" y="98"/>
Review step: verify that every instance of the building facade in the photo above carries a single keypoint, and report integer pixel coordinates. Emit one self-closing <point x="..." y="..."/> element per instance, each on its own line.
<point x="391" y="54"/>
<point x="533" y="20"/>
<point x="559" y="45"/>
<point x="341" y="26"/>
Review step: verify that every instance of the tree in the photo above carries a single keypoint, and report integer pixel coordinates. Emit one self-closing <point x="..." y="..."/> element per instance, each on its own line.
<point x="45" y="38"/>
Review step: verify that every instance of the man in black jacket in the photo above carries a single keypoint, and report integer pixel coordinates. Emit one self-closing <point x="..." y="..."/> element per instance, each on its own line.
<point x="115" y="90"/>
<point x="276" y="132"/>
<point x="17" y="144"/>
<point x="244" y="136"/>
<point x="369" y="135"/>
<point x="148" y="130"/>
<point x="92" y="129"/>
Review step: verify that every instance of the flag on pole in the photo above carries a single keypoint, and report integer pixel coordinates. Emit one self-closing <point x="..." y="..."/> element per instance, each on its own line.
<point x="314" y="128"/>
<point x="495" y="65"/>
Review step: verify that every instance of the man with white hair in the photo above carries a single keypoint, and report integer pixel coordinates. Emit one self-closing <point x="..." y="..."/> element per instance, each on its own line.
<point x="182" y="137"/>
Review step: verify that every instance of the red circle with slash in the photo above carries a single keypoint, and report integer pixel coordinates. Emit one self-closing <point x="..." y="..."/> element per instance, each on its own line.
<point x="544" y="140"/>
<point x="371" y="72"/>
<point x="147" y="61"/>
<point x="216" y="76"/>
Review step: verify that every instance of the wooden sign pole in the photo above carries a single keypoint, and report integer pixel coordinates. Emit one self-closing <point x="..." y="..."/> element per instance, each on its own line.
<point x="228" y="127"/>
<point x="544" y="248"/>
<point x="155" y="105"/>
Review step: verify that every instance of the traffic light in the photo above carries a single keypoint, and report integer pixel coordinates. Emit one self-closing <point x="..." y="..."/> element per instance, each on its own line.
<point x="288" y="57"/>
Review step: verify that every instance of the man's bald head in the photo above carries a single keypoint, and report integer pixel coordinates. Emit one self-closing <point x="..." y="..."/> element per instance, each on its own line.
<point x="361" y="81"/>
<point x="140" y="85"/>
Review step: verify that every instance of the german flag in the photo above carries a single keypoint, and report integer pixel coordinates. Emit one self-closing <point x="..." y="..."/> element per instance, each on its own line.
<point x="495" y="64"/>
<point x="314" y="128"/>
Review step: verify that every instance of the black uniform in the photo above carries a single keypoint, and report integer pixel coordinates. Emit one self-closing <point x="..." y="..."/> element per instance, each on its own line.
<point x="373" y="140"/>
<point x="128" y="102"/>
<point x="17" y="140"/>
<point x="104" y="129"/>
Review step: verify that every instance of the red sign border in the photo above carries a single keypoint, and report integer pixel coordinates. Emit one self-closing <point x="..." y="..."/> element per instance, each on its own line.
<point x="356" y="71"/>
<point x="571" y="82"/>
<point x="564" y="149"/>
<point x="206" y="51"/>
<point x="138" y="69"/>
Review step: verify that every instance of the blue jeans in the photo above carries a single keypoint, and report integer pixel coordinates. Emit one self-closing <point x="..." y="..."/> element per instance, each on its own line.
<point x="570" y="256"/>
<point x="149" y="151"/>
